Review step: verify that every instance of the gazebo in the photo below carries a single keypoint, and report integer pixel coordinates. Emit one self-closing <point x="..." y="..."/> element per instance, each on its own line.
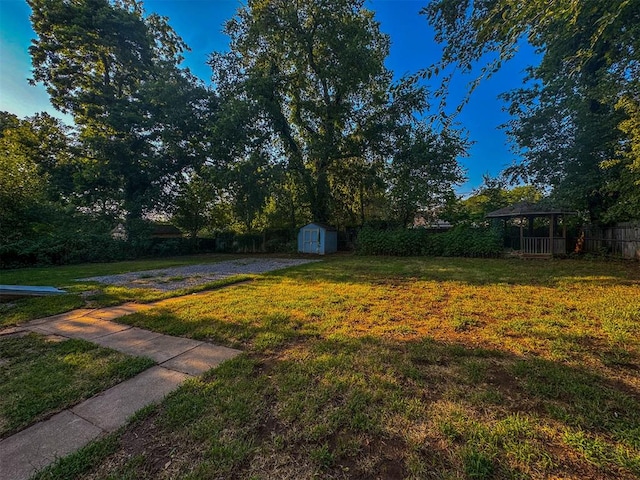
<point x="533" y="243"/>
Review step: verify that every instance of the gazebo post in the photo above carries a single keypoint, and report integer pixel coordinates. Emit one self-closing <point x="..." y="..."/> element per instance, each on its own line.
<point x="552" y="221"/>
<point x="522" y="234"/>
<point x="564" y="235"/>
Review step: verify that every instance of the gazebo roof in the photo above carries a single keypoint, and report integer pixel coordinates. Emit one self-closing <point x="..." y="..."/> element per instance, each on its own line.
<point x="523" y="209"/>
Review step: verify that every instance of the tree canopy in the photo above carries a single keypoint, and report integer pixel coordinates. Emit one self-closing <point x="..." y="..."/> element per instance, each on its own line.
<point x="574" y="121"/>
<point x="303" y="122"/>
<point x="315" y="72"/>
<point x="141" y="118"/>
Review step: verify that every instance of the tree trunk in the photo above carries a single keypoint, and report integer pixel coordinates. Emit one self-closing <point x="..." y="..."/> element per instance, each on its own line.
<point x="320" y="208"/>
<point x="362" y="203"/>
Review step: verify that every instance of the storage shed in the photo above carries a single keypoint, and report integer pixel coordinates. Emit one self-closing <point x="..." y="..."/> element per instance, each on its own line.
<point x="317" y="238"/>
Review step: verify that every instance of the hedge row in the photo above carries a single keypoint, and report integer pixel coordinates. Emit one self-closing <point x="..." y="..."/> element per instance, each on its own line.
<point x="461" y="241"/>
<point x="71" y="247"/>
<point x="62" y="248"/>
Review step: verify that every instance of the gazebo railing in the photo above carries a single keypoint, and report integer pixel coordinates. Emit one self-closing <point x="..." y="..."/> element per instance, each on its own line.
<point x="542" y="245"/>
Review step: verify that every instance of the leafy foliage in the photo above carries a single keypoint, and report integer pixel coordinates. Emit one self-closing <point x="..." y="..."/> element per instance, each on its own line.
<point x="423" y="172"/>
<point x="21" y="191"/>
<point x="313" y="74"/>
<point x="35" y="173"/>
<point x="492" y="195"/>
<point x="194" y="206"/>
<point x="462" y="241"/>
<point x="141" y="119"/>
<point x="574" y="119"/>
<point x="303" y="122"/>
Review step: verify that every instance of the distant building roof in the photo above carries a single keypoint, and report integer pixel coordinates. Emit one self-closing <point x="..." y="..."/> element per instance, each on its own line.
<point x="522" y="209"/>
<point x="165" y="230"/>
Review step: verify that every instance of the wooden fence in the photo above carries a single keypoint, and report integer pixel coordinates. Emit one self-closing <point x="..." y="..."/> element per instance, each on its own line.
<point x="621" y="240"/>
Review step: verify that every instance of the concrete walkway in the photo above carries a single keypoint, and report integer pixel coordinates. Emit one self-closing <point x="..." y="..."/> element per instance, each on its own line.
<point x="178" y="359"/>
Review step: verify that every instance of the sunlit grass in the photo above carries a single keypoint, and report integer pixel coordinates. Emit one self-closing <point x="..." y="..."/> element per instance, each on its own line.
<point x="407" y="368"/>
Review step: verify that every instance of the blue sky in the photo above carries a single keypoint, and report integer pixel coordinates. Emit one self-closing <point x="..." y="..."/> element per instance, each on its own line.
<point x="199" y="22"/>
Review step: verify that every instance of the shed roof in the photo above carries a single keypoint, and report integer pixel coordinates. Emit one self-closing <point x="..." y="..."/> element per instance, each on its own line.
<point x="329" y="228"/>
<point x="522" y="209"/>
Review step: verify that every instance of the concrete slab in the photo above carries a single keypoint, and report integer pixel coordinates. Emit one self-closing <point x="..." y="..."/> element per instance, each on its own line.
<point x="22" y="454"/>
<point x="164" y="347"/>
<point x="12" y="331"/>
<point x="111" y="313"/>
<point x="38" y="330"/>
<point x="73" y="314"/>
<point x="83" y="327"/>
<point x="111" y="409"/>
<point x="200" y="359"/>
<point x="132" y="341"/>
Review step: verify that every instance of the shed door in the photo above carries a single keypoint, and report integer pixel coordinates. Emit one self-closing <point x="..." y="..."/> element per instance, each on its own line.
<point x="311" y="240"/>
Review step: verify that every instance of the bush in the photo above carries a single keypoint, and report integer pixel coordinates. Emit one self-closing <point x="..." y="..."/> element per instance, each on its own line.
<point x="168" y="247"/>
<point x="397" y="242"/>
<point x="461" y="241"/>
<point x="62" y="247"/>
<point x="79" y="240"/>
<point x="466" y="241"/>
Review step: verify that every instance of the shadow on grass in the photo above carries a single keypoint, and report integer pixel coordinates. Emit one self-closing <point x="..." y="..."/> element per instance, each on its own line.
<point x="26" y="309"/>
<point x="335" y="404"/>
<point x="342" y="269"/>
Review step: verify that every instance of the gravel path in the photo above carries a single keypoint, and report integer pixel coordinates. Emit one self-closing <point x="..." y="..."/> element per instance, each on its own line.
<point x="176" y="278"/>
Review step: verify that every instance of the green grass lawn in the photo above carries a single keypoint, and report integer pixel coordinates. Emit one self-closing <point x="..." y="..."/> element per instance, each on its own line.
<point x="40" y="377"/>
<point x="399" y="368"/>
<point x="92" y="294"/>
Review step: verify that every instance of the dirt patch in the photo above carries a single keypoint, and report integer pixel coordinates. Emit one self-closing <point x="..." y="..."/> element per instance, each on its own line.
<point x="148" y="450"/>
<point x="147" y="442"/>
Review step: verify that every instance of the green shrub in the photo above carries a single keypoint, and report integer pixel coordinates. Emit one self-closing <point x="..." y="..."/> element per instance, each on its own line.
<point x="461" y="241"/>
<point x="62" y="247"/>
<point x="397" y="242"/>
<point x="168" y="247"/>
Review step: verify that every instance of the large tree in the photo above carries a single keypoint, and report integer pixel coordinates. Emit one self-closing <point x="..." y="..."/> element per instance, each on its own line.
<point x="573" y="121"/>
<point x="315" y="71"/>
<point x="423" y="172"/>
<point x="49" y="144"/>
<point x="140" y="117"/>
<point x="37" y="166"/>
<point x="22" y="187"/>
